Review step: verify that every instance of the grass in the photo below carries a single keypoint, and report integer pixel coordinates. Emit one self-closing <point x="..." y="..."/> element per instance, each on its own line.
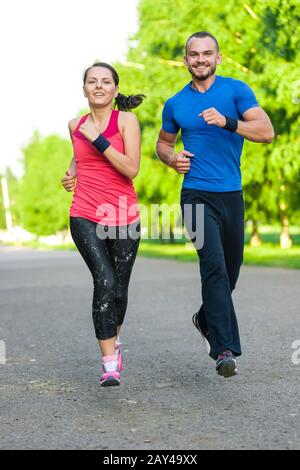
<point x="268" y="254"/>
<point x="265" y="255"/>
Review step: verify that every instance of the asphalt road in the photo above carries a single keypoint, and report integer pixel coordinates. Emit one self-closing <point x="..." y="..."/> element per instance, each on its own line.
<point x="170" y="397"/>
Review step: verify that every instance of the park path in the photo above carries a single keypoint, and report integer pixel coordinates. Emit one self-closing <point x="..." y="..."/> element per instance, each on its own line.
<point x="170" y="397"/>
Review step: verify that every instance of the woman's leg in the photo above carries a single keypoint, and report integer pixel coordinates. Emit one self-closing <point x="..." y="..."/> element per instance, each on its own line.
<point x="122" y="251"/>
<point x="95" y="254"/>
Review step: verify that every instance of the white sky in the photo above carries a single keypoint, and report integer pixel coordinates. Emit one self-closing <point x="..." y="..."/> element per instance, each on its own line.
<point x="45" y="47"/>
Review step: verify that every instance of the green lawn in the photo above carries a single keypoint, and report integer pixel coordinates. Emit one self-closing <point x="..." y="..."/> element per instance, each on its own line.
<point x="265" y="255"/>
<point x="268" y="254"/>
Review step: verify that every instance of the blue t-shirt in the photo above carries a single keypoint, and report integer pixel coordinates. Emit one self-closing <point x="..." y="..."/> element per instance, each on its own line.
<point x="217" y="152"/>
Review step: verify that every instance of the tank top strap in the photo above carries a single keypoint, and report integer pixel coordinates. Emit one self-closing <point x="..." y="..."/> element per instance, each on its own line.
<point x="112" y="127"/>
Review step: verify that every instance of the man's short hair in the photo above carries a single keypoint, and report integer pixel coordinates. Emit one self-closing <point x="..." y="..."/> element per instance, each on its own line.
<point x="202" y="34"/>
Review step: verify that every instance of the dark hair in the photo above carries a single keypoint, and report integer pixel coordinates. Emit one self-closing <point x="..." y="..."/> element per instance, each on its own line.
<point x="202" y="34"/>
<point x="123" y="102"/>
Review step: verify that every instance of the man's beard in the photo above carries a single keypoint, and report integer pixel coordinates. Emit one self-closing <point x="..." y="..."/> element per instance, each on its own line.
<point x="204" y="75"/>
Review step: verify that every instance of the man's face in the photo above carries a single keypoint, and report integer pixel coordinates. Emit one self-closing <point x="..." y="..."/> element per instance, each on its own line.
<point x="202" y="57"/>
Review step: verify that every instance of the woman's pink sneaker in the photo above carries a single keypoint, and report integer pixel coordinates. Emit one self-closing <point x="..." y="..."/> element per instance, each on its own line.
<point x="111" y="375"/>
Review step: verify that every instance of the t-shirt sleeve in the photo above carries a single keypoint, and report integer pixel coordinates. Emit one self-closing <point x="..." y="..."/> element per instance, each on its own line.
<point x="245" y="98"/>
<point x="168" y="122"/>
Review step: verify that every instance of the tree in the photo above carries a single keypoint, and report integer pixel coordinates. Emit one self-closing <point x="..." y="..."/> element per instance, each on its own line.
<point x="260" y="43"/>
<point x="44" y="202"/>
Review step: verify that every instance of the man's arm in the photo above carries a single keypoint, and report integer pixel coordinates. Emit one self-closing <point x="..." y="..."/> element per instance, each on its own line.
<point x="256" y="126"/>
<point x="165" y="150"/>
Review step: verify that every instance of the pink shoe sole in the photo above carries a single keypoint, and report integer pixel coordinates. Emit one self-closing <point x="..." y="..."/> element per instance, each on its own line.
<point x="110" y="379"/>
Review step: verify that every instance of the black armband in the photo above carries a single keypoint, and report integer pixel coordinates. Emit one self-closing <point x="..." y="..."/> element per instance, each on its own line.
<point x="231" y="124"/>
<point x="101" y="143"/>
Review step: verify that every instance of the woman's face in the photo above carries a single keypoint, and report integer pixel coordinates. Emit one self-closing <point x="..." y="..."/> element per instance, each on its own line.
<point x="99" y="87"/>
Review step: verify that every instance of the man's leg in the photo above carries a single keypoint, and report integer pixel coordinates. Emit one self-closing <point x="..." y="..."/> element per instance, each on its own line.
<point x="233" y="245"/>
<point x="233" y="235"/>
<point x="216" y="290"/>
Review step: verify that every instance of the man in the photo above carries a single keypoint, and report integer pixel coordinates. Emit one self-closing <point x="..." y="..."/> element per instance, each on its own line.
<point x="214" y="114"/>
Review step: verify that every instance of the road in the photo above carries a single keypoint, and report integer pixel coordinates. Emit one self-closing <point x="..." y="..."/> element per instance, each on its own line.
<point x="170" y="397"/>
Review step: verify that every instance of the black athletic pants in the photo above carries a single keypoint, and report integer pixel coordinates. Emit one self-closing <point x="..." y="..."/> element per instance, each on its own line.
<point x="220" y="259"/>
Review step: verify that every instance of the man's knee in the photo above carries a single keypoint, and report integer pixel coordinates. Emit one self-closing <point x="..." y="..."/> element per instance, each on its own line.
<point x="213" y="266"/>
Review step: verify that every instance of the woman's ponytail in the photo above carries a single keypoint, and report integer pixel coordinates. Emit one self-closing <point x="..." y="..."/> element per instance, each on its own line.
<point x="125" y="103"/>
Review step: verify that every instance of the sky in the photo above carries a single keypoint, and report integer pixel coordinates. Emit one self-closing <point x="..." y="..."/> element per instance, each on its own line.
<point x="45" y="47"/>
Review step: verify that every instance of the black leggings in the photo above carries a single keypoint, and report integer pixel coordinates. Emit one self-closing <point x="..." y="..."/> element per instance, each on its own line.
<point x="109" y="253"/>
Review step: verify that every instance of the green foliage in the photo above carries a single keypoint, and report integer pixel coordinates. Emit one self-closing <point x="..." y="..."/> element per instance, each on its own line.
<point x="259" y="41"/>
<point x="45" y="204"/>
<point x="260" y="44"/>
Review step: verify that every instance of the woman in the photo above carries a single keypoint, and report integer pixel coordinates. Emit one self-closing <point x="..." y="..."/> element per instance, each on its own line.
<point x="104" y="219"/>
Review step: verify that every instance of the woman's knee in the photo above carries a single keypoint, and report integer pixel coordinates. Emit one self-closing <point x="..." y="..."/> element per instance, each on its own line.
<point x="105" y="282"/>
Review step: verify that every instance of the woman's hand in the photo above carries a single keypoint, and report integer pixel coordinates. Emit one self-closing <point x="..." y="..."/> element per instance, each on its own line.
<point x="68" y="181"/>
<point x="88" y="129"/>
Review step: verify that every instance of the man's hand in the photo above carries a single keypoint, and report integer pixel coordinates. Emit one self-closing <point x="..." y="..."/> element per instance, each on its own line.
<point x="88" y="129"/>
<point x="181" y="162"/>
<point x="212" y="116"/>
<point x="68" y="181"/>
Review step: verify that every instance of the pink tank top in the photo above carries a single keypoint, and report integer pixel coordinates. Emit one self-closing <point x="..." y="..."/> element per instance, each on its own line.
<point x="102" y="194"/>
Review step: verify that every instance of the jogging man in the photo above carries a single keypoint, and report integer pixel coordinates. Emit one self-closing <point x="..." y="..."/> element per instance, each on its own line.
<point x="214" y="114"/>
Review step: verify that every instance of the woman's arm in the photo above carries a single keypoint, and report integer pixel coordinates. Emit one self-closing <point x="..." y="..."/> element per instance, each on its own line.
<point x="72" y="126"/>
<point x="72" y="168"/>
<point x="69" y="179"/>
<point x="128" y="163"/>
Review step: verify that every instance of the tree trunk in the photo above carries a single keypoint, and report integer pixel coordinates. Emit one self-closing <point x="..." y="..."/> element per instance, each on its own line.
<point x="255" y="239"/>
<point x="285" y="239"/>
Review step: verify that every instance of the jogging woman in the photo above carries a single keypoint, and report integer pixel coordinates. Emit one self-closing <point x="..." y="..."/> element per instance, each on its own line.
<point x="104" y="219"/>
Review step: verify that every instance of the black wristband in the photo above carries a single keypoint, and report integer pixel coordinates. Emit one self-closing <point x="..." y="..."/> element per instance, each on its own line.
<point x="101" y="143"/>
<point x="231" y="124"/>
